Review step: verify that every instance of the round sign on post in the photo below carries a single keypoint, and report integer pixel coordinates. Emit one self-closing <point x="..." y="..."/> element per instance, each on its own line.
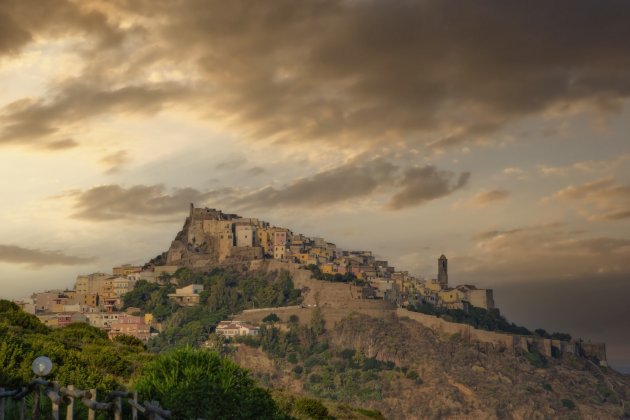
<point x="42" y="366"/>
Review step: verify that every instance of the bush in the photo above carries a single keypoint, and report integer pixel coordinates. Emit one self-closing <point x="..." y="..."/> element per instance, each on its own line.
<point x="298" y="370"/>
<point x="347" y="354"/>
<point x="535" y="358"/>
<point x="129" y="341"/>
<point x="271" y="318"/>
<point x="197" y="383"/>
<point x="315" y="378"/>
<point x="547" y="387"/>
<point x="413" y="375"/>
<point x="569" y="404"/>
<point x="310" y="408"/>
<point x="292" y="358"/>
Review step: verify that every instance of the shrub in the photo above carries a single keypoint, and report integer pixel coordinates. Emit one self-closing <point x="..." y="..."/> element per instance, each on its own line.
<point x="129" y="340"/>
<point x="292" y="358"/>
<point x="315" y="378"/>
<point x="198" y="383"/>
<point x="569" y="404"/>
<point x="298" y="370"/>
<point x="535" y="358"/>
<point x="347" y="354"/>
<point x="547" y="387"/>
<point x="311" y="408"/>
<point x="271" y="318"/>
<point x="413" y="375"/>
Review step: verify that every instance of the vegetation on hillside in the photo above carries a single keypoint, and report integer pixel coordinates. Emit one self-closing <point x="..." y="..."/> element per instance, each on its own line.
<point x="489" y="320"/>
<point x="225" y="293"/>
<point x="338" y="374"/>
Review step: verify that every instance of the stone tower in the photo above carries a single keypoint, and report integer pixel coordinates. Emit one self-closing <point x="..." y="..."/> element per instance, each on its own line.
<point x="443" y="271"/>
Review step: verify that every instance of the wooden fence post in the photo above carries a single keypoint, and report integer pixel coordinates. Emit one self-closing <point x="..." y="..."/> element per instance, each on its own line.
<point x="55" y="403"/>
<point x="134" y="410"/>
<point x="1" y="405"/>
<point x="70" y="408"/>
<point x="92" y="413"/>
<point x="118" y="408"/>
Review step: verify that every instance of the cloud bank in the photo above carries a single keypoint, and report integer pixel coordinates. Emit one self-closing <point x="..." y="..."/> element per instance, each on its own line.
<point x="37" y="258"/>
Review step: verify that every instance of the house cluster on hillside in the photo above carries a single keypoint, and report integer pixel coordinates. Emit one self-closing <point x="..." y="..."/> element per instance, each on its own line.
<point x="210" y="233"/>
<point x="96" y="299"/>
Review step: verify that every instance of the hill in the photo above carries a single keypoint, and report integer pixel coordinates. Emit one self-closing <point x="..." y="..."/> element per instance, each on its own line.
<point x="405" y="370"/>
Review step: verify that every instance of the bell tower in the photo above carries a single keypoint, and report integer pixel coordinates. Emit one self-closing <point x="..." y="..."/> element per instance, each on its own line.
<point x="443" y="271"/>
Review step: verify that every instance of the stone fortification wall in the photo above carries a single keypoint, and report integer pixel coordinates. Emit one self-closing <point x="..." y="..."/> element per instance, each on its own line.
<point x="510" y="342"/>
<point x="331" y="315"/>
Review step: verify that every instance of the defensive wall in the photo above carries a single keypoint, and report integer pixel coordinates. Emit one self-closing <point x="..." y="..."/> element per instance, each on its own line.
<point x="338" y="300"/>
<point x="511" y="342"/>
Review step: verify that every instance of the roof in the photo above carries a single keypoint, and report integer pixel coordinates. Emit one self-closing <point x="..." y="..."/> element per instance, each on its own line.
<point x="442" y="257"/>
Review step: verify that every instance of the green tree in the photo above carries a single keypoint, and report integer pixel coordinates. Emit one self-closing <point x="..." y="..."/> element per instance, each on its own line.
<point x="198" y="383"/>
<point x="318" y="323"/>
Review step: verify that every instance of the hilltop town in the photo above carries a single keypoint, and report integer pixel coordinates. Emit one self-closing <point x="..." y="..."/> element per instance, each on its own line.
<point x="340" y="281"/>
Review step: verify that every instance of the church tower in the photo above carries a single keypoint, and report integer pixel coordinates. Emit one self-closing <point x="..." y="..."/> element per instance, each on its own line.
<point x="443" y="271"/>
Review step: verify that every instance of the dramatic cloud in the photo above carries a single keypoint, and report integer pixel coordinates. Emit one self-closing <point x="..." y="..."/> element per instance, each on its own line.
<point x="420" y="185"/>
<point x="22" y="21"/>
<point x="430" y="73"/>
<point x="436" y="72"/>
<point x="37" y="258"/>
<point x="601" y="200"/>
<point x="356" y="180"/>
<point x="113" y="202"/>
<point x="348" y="182"/>
<point x="35" y="121"/>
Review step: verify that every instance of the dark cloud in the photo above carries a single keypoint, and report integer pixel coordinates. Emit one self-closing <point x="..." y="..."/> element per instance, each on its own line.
<point x="35" y="121"/>
<point x="12" y="36"/>
<point x="420" y="185"/>
<point x="345" y="183"/>
<point x="114" y="202"/>
<point x="21" y="21"/>
<point x="603" y="199"/>
<point x="411" y="71"/>
<point x="356" y="180"/>
<point x="434" y="73"/>
<point x="36" y="258"/>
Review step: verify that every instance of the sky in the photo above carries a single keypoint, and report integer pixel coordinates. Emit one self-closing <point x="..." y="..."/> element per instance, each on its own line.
<point x="495" y="132"/>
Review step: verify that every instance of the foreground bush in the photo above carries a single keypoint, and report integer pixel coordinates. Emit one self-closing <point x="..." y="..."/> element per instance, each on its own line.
<point x="201" y="384"/>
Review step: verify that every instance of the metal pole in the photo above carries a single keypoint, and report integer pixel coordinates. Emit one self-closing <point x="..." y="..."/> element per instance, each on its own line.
<point x="70" y="408"/>
<point x="92" y="413"/>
